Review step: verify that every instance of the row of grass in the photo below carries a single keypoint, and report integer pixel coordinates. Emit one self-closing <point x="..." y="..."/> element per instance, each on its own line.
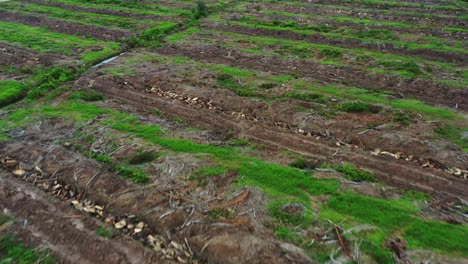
<point x="43" y="80"/>
<point x="86" y="18"/>
<point x="404" y="66"/>
<point x="422" y="6"/>
<point x="10" y="91"/>
<point x="45" y="41"/>
<point x="336" y="32"/>
<point x="405" y="14"/>
<point x="133" y="7"/>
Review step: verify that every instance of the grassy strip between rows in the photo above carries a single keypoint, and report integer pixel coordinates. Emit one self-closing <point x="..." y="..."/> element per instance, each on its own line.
<point x="43" y="40"/>
<point x="133" y="7"/>
<point x="369" y="36"/>
<point x="283" y="185"/>
<point x="108" y="21"/>
<point x="10" y="91"/>
<point x="414" y="13"/>
<point x="404" y="66"/>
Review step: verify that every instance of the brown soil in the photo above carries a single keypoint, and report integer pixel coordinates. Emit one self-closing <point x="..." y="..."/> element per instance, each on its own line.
<point x="65" y="27"/>
<point x="434" y="55"/>
<point x="421" y="89"/>
<point x="272" y="125"/>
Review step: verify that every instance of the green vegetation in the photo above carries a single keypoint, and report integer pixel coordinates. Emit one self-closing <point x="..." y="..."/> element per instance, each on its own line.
<point x="200" y="11"/>
<point x="358" y="107"/>
<point x="302" y="218"/>
<point x="246" y="83"/>
<point x="392" y="215"/>
<point x="152" y="36"/>
<point x="104" y="232"/>
<point x="352" y="173"/>
<point x="109" y="21"/>
<point x="86" y="95"/>
<point x="43" y="40"/>
<point x="300" y="186"/>
<point x="134" y="174"/>
<point x="134" y="7"/>
<point x="379" y="62"/>
<point x="12" y="251"/>
<point x="285" y="233"/>
<point x="315" y="201"/>
<point x="48" y="80"/>
<point x="10" y="91"/>
<point x="220" y="213"/>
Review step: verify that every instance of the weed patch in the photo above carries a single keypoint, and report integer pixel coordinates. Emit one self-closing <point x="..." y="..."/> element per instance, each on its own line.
<point x="358" y="107"/>
<point x="104" y="232"/>
<point x="12" y="251"/>
<point x="143" y="157"/>
<point x="10" y="92"/>
<point x="285" y="233"/>
<point x="87" y="95"/>
<point x="303" y="217"/>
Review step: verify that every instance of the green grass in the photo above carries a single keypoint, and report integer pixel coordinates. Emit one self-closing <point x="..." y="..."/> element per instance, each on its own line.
<point x="45" y="41"/>
<point x="352" y="173"/>
<point x="344" y="32"/>
<point x="87" y="95"/>
<point x="133" y="7"/>
<point x="103" y="20"/>
<point x="358" y="107"/>
<point x="47" y="80"/>
<point x="303" y="219"/>
<point x="443" y="237"/>
<point x="287" y="234"/>
<point x="380" y="62"/>
<point x="10" y="91"/>
<point x="134" y="174"/>
<point x="152" y="37"/>
<point x="401" y="216"/>
<point x="283" y="184"/>
<point x="104" y="232"/>
<point x="12" y="251"/>
<point x="354" y="99"/>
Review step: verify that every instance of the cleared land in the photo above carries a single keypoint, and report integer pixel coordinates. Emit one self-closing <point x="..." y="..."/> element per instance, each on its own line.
<point x="233" y="131"/>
